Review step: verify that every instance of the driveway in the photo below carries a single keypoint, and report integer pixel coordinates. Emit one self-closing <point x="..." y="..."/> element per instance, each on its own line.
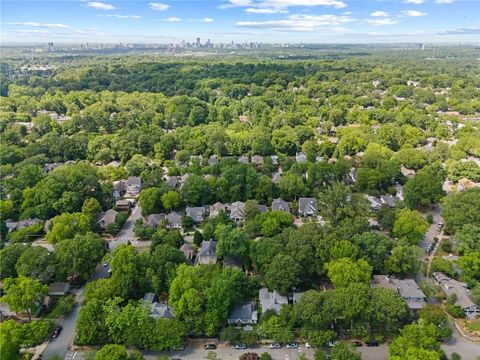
<point x="126" y="233"/>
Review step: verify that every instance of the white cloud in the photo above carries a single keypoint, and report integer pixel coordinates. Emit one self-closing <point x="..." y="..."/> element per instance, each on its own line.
<point x="445" y="1"/>
<point x="381" y="22"/>
<point x="289" y="3"/>
<point x="118" y="16"/>
<point x="36" y="24"/>
<point x="207" y="20"/>
<point x="158" y="6"/>
<point x="100" y="5"/>
<point x="32" y="31"/>
<point x="299" y="22"/>
<point x="414" y="13"/>
<point x="172" y="19"/>
<point x="379" y="14"/>
<point x="236" y="3"/>
<point x="416" y="2"/>
<point x="266" y="11"/>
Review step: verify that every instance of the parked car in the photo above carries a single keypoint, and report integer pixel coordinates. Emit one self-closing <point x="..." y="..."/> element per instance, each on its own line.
<point x="210" y="347"/>
<point x="56" y="332"/>
<point x="240" y="346"/>
<point x="292" y="345"/>
<point x="307" y="346"/>
<point x="332" y="343"/>
<point x="275" y="346"/>
<point x="179" y="348"/>
<point x="357" y="343"/>
<point x="372" y="343"/>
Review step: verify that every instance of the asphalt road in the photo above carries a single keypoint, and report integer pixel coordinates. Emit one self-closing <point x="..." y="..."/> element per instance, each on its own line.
<point x="61" y="344"/>
<point x="467" y="349"/>
<point x="127" y="230"/>
<point x="432" y="230"/>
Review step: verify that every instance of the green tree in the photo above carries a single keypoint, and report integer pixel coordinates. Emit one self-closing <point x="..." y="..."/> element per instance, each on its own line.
<point x="423" y="189"/>
<point x="66" y="226"/>
<point x="37" y="263"/>
<point x="91" y="208"/>
<point x="283" y="273"/>
<point x="461" y="208"/>
<point x="232" y="242"/>
<point x="128" y="272"/>
<point x="468" y="238"/>
<point x="404" y="261"/>
<point x="8" y="258"/>
<point x="343" y="351"/>
<point x="112" y="352"/>
<point x="150" y="201"/>
<point x="171" y="200"/>
<point x="345" y="271"/>
<point x="417" y="339"/>
<point x="410" y="225"/>
<point x="434" y="314"/>
<point x="23" y="294"/>
<point x="291" y="186"/>
<point x="77" y="258"/>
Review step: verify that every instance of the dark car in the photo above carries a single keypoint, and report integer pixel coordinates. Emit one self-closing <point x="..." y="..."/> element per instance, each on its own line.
<point x="275" y="346"/>
<point x="210" y="347"/>
<point x="240" y="346"/>
<point x="372" y="343"/>
<point x="56" y="332"/>
<point x="292" y="345"/>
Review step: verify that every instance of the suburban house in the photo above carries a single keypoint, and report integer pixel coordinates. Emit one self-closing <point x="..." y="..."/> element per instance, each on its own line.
<point x="213" y="160"/>
<point x="280" y="205"/>
<point x="106" y="218"/>
<point x="466" y="184"/>
<point x="49" y="167"/>
<point x="307" y="207"/>
<point x="375" y="202"/>
<point x="236" y="211"/>
<point x="134" y="184"/>
<point x="388" y="200"/>
<point x="58" y="289"/>
<point x="188" y="250"/>
<point x="123" y="205"/>
<point x="243" y="159"/>
<point x="174" y="220"/>
<point x="217" y="207"/>
<point x="243" y="314"/>
<point x="158" y="310"/>
<point x="271" y="300"/>
<point x="407" y="172"/>
<point x="262" y="208"/>
<point x="407" y="289"/>
<point x="196" y="213"/>
<point x="153" y="220"/>
<point x="207" y="253"/>
<point x="172" y="181"/>
<point x="232" y="262"/>
<point x="464" y="297"/>
<point x="300" y="157"/>
<point x="274" y="159"/>
<point x="22" y="224"/>
<point x="257" y="160"/>
<point x="119" y="189"/>
<point x="399" y="190"/>
<point x="352" y="175"/>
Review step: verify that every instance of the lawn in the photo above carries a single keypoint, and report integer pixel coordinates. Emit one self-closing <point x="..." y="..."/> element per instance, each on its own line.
<point x="473" y="325"/>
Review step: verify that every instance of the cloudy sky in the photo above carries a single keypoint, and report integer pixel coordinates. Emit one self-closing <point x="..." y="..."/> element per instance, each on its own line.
<point x="311" y="21"/>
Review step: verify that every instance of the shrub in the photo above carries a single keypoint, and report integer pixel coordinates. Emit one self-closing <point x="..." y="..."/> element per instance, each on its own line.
<point x="121" y="218"/>
<point x="456" y="311"/>
<point x="27" y="234"/>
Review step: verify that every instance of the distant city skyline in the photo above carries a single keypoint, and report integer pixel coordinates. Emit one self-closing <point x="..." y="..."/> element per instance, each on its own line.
<point x="275" y="21"/>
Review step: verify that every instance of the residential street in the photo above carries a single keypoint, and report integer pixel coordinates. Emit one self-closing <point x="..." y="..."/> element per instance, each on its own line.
<point x="61" y="344"/>
<point x="127" y="230"/>
<point x="467" y="349"/>
<point x="432" y="230"/>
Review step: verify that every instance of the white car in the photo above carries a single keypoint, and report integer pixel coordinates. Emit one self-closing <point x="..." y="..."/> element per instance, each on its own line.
<point x="307" y="346"/>
<point x="332" y="343"/>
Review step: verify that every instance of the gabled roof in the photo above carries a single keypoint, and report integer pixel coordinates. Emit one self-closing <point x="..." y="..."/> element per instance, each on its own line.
<point x="154" y="219"/>
<point x="188" y="251"/>
<point x="307" y="205"/>
<point x="300" y="157"/>
<point x="245" y="311"/>
<point x="257" y="160"/>
<point x="196" y="213"/>
<point x="280" y="205"/>
<point x="174" y="218"/>
<point x="107" y="217"/>
<point x="134" y="181"/>
<point x="208" y="248"/>
<point x="271" y="300"/>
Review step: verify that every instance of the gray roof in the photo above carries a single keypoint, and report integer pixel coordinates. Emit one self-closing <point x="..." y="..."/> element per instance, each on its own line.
<point x="188" y="251"/>
<point x="134" y="181"/>
<point x="243" y="159"/>
<point x="257" y="160"/>
<point x="196" y="213"/>
<point x="280" y="205"/>
<point x="58" y="288"/>
<point x="388" y="200"/>
<point x="451" y="286"/>
<point x="262" y="208"/>
<point x="217" y="207"/>
<point x="207" y="252"/>
<point x="236" y="210"/>
<point x="274" y="159"/>
<point x="154" y="220"/>
<point x="161" y="311"/>
<point x="120" y="185"/>
<point x="276" y="177"/>
<point x="174" y="218"/>
<point x="301" y="157"/>
<point x="172" y="181"/>
<point x="213" y="160"/>
<point x="150" y="297"/>
<point x="307" y="205"/>
<point x="375" y="202"/>
<point x="22" y="224"/>
<point x="245" y="311"/>
<point x="271" y="300"/>
<point x="107" y="217"/>
<point x="407" y="289"/>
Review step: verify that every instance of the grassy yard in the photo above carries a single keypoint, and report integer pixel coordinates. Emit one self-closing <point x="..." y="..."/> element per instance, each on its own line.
<point x="473" y="325"/>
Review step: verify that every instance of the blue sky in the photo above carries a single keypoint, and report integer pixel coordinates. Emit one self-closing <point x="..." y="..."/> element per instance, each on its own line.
<point x="310" y="21"/>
